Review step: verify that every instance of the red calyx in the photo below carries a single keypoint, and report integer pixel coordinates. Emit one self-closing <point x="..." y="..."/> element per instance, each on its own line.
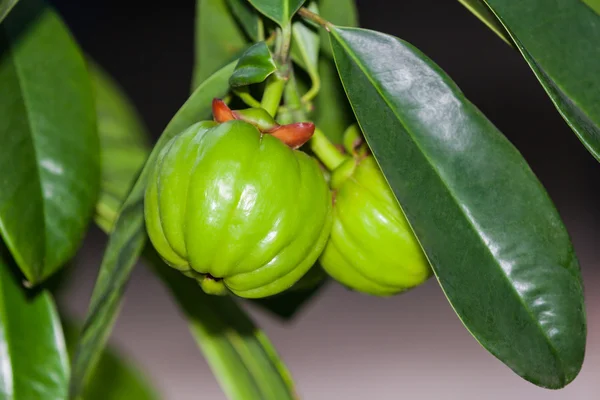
<point x="294" y="135"/>
<point x="221" y="112"/>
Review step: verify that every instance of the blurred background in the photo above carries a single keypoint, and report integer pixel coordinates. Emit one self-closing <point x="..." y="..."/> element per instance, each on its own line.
<point x="344" y="345"/>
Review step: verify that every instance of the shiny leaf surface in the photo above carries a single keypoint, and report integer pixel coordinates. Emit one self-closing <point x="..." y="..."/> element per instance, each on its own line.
<point x="254" y="66"/>
<point x="129" y="236"/>
<point x="219" y="39"/>
<point x="49" y="145"/>
<point x="559" y="41"/>
<point x="33" y="354"/>
<point x="280" y="11"/>
<point x="115" y="377"/>
<point x="497" y="244"/>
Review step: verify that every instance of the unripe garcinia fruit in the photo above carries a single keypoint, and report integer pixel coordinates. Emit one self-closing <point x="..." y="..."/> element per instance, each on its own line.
<point x="236" y="208"/>
<point x="372" y="248"/>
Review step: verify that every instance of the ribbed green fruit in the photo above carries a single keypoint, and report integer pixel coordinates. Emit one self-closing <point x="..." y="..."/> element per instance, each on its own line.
<point x="372" y="248"/>
<point x="236" y="209"/>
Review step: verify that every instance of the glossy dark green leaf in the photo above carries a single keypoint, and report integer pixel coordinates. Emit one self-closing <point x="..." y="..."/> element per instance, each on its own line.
<point x="115" y="377"/>
<point x="254" y="66"/>
<point x="48" y="142"/>
<point x="563" y="55"/>
<point x="494" y="238"/>
<point x="240" y="355"/>
<point x="129" y="236"/>
<point x="280" y="11"/>
<point x="33" y="355"/>
<point x="248" y="18"/>
<point x="5" y="7"/>
<point x="481" y="11"/>
<point x="124" y="145"/>
<point x="218" y="41"/>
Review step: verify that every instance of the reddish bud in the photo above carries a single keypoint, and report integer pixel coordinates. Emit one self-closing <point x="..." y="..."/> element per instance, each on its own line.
<point x="294" y="135"/>
<point x="221" y="112"/>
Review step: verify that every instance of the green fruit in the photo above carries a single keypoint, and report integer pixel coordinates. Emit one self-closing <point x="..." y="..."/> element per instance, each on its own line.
<point x="237" y="209"/>
<point x="372" y="248"/>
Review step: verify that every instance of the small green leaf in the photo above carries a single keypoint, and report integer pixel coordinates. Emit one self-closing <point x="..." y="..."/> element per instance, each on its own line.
<point x="563" y="55"/>
<point x="5" y="7"/>
<point x="240" y="355"/>
<point x="496" y="243"/>
<point x="219" y="39"/>
<point x="254" y="66"/>
<point x="48" y="141"/>
<point x="280" y="11"/>
<point x="124" y="145"/>
<point x="115" y="377"/>
<point x="248" y="18"/>
<point x="128" y="236"/>
<point x="33" y="354"/>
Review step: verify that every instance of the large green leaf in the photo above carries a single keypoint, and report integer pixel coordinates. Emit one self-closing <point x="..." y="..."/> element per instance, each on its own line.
<point x="240" y="355"/>
<point x="124" y="145"/>
<point x="494" y="238"/>
<point x="48" y="142"/>
<point x="114" y="377"/>
<point x="129" y="236"/>
<point x="219" y="39"/>
<point x="280" y="11"/>
<point x="33" y="354"/>
<point x="563" y="55"/>
<point x="5" y="7"/>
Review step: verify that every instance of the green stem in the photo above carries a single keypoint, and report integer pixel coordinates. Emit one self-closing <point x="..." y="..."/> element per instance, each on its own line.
<point x="247" y="98"/>
<point x="273" y="93"/>
<point x="326" y="151"/>
<point x="282" y="51"/>
<point x="314" y="88"/>
<point x="316" y="18"/>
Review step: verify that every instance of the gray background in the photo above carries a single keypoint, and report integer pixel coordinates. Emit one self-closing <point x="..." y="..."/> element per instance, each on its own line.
<point x="346" y="345"/>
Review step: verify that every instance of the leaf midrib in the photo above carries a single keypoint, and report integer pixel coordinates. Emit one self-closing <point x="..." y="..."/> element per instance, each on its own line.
<point x="452" y="194"/>
<point x="12" y="55"/>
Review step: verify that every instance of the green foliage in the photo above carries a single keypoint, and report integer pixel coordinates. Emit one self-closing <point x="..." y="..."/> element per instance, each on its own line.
<point x="50" y="158"/>
<point x="129" y="236"/>
<point x="124" y="144"/>
<point x="563" y="55"/>
<point x="33" y="356"/>
<point x="239" y="354"/>
<point x="114" y="377"/>
<point x="501" y="261"/>
<point x="254" y="66"/>
<point x="219" y="39"/>
<point x="280" y="11"/>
